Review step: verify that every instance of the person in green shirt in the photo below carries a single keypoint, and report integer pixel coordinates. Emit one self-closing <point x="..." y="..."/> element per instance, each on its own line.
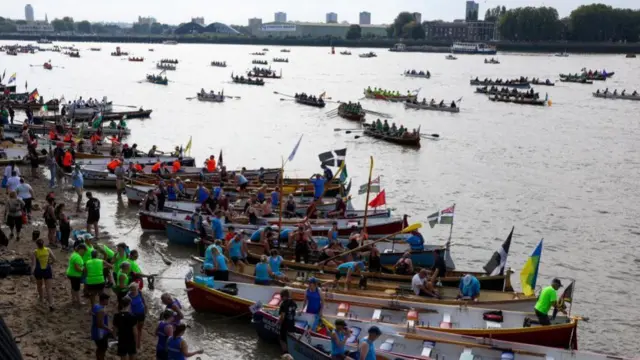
<point x="75" y="271"/>
<point x="122" y="280"/>
<point x="136" y="272"/>
<point x="546" y="300"/>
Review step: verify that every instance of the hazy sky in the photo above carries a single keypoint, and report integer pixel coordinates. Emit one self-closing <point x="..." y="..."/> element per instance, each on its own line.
<point x="238" y="11"/>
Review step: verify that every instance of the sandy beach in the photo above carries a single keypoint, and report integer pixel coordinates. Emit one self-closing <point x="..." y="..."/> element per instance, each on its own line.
<point x="64" y="333"/>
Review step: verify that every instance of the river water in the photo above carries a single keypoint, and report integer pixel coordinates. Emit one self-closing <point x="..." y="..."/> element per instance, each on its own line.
<point x="566" y="173"/>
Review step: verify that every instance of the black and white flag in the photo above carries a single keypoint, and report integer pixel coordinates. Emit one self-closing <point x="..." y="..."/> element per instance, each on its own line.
<point x="333" y="158"/>
<point x="498" y="261"/>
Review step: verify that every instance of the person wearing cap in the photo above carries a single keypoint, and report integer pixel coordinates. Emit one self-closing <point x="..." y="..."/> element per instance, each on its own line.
<point x="469" y="288"/>
<point x="313" y="301"/>
<point x="367" y="346"/>
<point x="339" y="337"/>
<point x="348" y="269"/>
<point x="547" y="299"/>
<point x="287" y="318"/>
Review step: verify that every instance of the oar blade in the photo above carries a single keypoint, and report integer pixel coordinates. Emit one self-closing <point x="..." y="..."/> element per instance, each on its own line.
<point x="412" y="227"/>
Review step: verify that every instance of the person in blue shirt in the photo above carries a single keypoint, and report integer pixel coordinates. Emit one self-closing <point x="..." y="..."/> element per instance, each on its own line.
<point x="367" y="347"/>
<point x="216" y="225"/>
<point x="275" y="198"/>
<point x="78" y="184"/>
<point x="347" y="269"/>
<point x="313" y="302"/>
<point x="318" y="182"/>
<point x="469" y="288"/>
<point x="263" y="274"/>
<point x="220" y="266"/>
<point x="328" y="174"/>
<point x="275" y="261"/>
<point x="416" y="241"/>
<point x="242" y="182"/>
<point x="217" y="191"/>
<point x="339" y="338"/>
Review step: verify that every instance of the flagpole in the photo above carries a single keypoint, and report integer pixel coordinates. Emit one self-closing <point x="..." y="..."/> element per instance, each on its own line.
<point x="281" y="183"/>
<point x="573" y="281"/>
<point x="366" y="204"/>
<point x="451" y="228"/>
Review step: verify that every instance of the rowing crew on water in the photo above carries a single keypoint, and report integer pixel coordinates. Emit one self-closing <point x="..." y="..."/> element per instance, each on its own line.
<point x="615" y="92"/>
<point x="249" y="81"/>
<point x="281" y="60"/>
<point x="258" y="54"/>
<point x="260" y="62"/>
<point x="385" y="93"/>
<point x="491" y="61"/>
<point x="263" y="73"/>
<point x="494" y="90"/>
<point x="157" y="79"/>
<point x="135" y="59"/>
<point x="169" y="61"/>
<point x="393" y="130"/>
<point x="309" y="99"/>
<point x="536" y="81"/>
<point x="219" y="63"/>
<point x="211" y="96"/>
<point x="432" y="103"/>
<point x="414" y="73"/>
<point x="165" y="66"/>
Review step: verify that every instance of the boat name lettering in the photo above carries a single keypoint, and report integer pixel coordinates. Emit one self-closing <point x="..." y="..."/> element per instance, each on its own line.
<point x="270" y="325"/>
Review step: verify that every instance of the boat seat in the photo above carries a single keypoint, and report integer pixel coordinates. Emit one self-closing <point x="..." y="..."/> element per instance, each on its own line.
<point x="355" y="333"/>
<point x="405" y="289"/>
<point x="343" y="309"/>
<point x="275" y="300"/>
<point x="493" y="325"/>
<point x="302" y="324"/>
<point x="427" y="348"/>
<point x="387" y="345"/>
<point x="467" y="354"/>
<point x="377" y="315"/>
<point x="446" y="321"/>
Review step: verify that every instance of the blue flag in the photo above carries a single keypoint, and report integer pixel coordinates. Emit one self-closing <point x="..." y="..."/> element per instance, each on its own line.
<point x="295" y="149"/>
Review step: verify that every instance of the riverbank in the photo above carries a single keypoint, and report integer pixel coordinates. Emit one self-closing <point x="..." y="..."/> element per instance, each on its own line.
<point x="504" y="46"/>
<point x="65" y="332"/>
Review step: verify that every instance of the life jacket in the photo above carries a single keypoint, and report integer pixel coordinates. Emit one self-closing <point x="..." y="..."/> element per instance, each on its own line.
<point x="113" y="165"/>
<point x="68" y="158"/>
<point x="156" y="167"/>
<point x="52" y="135"/>
<point x="68" y="138"/>
<point x="211" y="165"/>
<point x="137" y="167"/>
<point x="176" y="166"/>
<point x="95" y="138"/>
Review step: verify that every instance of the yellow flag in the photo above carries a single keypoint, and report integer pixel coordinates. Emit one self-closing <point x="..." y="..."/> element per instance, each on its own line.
<point x="187" y="148"/>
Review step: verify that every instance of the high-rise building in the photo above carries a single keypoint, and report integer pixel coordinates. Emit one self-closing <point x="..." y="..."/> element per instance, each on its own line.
<point x="471" y="13"/>
<point x="28" y="13"/>
<point x="198" y="20"/>
<point x="365" y="18"/>
<point x="280" y="17"/>
<point x="332" y="18"/>
<point x="254" y="25"/>
<point x="417" y="17"/>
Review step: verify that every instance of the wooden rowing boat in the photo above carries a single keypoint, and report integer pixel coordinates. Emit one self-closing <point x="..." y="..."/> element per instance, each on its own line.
<point x="264" y="75"/>
<point x="318" y="103"/>
<point x="395" y="98"/>
<point x="162" y="66"/>
<point x="350" y="115"/>
<point x="385" y="289"/>
<point x="525" y="94"/>
<point x="138" y="114"/>
<point x="612" y="96"/>
<point x="426" y="75"/>
<point x="535" y="102"/>
<point x="209" y="98"/>
<point x="157" y="80"/>
<point x="406" y="141"/>
<point x="239" y="80"/>
<point x="577" y="81"/>
<point x="43" y="129"/>
<point x="391" y="316"/>
<point x="427" y="106"/>
<point x="509" y="83"/>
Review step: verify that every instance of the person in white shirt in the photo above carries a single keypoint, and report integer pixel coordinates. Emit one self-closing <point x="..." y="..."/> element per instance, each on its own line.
<point x="11" y="168"/>
<point x="422" y="286"/>
<point x="25" y="192"/>
<point x="13" y="182"/>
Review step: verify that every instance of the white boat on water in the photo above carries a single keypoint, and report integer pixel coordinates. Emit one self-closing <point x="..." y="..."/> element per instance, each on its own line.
<point x="562" y="54"/>
<point x="435" y="107"/>
<point x="609" y="95"/>
<point x="473" y="48"/>
<point x="86" y="110"/>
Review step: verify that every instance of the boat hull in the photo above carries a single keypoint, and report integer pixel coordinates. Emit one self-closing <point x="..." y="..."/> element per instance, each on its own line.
<point x="491" y="83"/>
<point x="432" y="108"/>
<point x="203" y="299"/>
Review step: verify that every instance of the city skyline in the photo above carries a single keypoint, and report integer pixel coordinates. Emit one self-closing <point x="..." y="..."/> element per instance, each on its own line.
<point x="381" y="12"/>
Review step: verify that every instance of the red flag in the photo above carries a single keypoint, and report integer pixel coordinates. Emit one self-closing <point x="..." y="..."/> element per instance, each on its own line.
<point x="378" y="201"/>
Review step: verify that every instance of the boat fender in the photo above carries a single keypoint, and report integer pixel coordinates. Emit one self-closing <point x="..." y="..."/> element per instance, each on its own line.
<point x="495" y="316"/>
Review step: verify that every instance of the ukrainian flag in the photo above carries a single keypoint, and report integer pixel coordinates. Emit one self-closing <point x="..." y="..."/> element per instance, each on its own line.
<point x="529" y="273"/>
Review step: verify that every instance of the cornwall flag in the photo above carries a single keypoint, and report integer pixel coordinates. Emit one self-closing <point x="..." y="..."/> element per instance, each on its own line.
<point x="498" y="261"/>
<point x="333" y="158"/>
<point x="441" y="217"/>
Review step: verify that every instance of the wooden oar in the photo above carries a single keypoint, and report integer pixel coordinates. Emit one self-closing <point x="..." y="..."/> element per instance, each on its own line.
<point x="191" y="98"/>
<point x="281" y="99"/>
<point x="344" y="129"/>
<point x="127" y="106"/>
<point x="350" y="131"/>
<point x="409" y="228"/>
<point x="277" y="93"/>
<point x="233" y="97"/>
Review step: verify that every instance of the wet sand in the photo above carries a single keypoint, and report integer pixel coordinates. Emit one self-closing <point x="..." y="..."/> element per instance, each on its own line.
<point x="64" y="333"/>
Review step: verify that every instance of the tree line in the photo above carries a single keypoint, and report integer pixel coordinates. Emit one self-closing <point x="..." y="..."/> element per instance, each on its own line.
<point x="587" y="23"/>
<point x="67" y="24"/>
